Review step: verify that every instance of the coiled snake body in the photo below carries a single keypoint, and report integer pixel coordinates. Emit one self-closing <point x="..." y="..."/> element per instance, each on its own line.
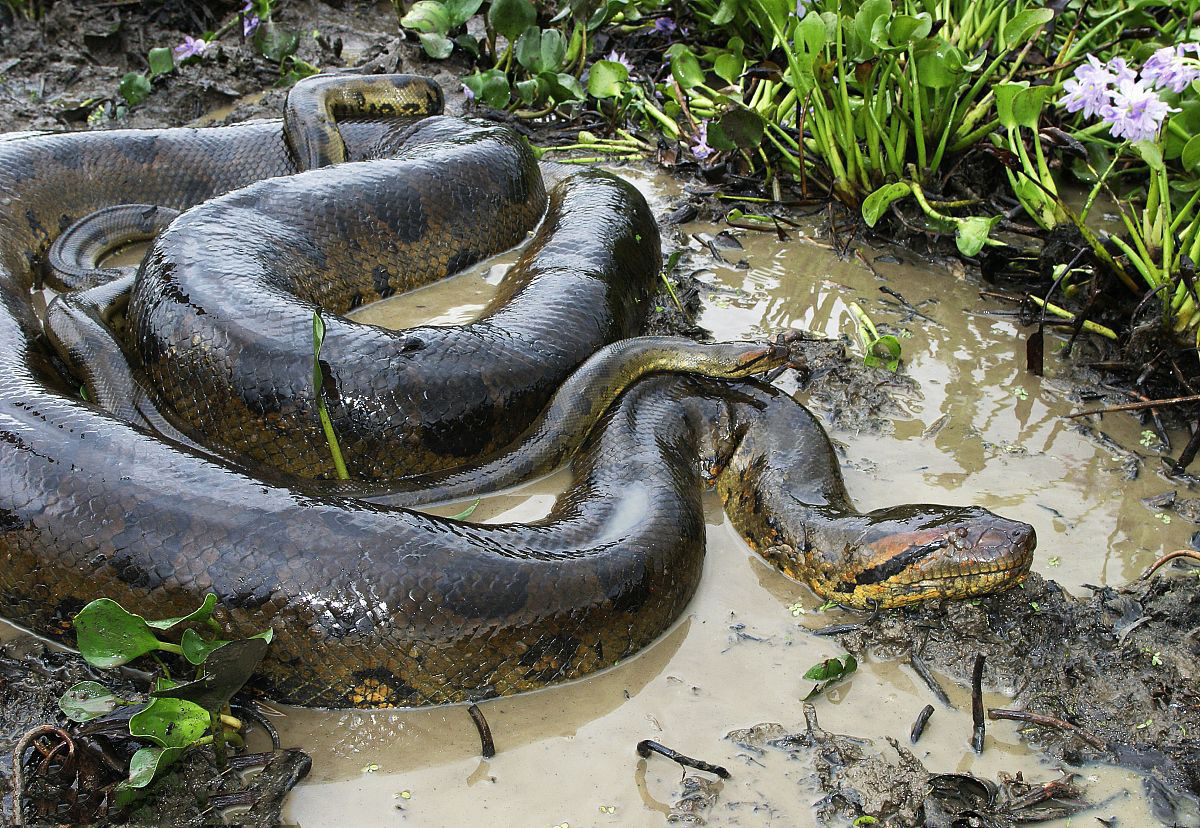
<point x="375" y="605"/>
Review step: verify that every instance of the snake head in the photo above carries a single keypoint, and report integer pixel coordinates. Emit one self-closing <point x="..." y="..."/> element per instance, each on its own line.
<point x="914" y="553"/>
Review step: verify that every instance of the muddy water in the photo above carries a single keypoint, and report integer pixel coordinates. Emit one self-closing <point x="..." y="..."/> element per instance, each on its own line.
<point x="980" y="429"/>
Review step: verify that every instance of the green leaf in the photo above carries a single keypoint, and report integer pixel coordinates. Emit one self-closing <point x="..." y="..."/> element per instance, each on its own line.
<point x="810" y="39"/>
<point x="170" y="722"/>
<point x="724" y="13"/>
<point x="884" y="352"/>
<point x="1150" y="153"/>
<point x="563" y="87"/>
<point x="1019" y="104"/>
<point x="1022" y="27"/>
<point x="87" y="700"/>
<point x="223" y="673"/>
<point x="881" y="199"/>
<point x="201" y="613"/>
<point x="906" y="28"/>
<point x="869" y="24"/>
<point x="436" y="45"/>
<point x="427" y="16"/>
<point x="972" y="233"/>
<point x="529" y="91"/>
<point x="144" y="767"/>
<point x="540" y="51"/>
<point x="490" y="88"/>
<point x="939" y="64"/>
<point x="467" y="512"/>
<point x="831" y="668"/>
<point x="743" y="127"/>
<point x="275" y="43"/>
<point x="1191" y="154"/>
<point x="685" y="66"/>
<point x="108" y="635"/>
<point x="134" y="88"/>
<point x="161" y="60"/>
<point x="460" y="11"/>
<point x="511" y="17"/>
<point x="606" y="79"/>
<point x="729" y="67"/>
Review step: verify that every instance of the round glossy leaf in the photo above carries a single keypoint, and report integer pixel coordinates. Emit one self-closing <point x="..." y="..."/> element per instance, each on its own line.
<point x="973" y="232"/>
<point x="528" y="91"/>
<point x="427" y="16"/>
<point x="685" y="67"/>
<point x="725" y="12"/>
<point x="161" y="60"/>
<point x="729" y="66"/>
<point x="225" y="670"/>
<point x="144" y="767"/>
<point x="743" y="127"/>
<point x="905" y="28"/>
<point x="1190" y="157"/>
<point x="1022" y="26"/>
<point x="511" y="17"/>
<point x="87" y="700"/>
<point x="436" y="45"/>
<point x="490" y="88"/>
<point x="878" y="201"/>
<point x="108" y="635"/>
<point x="170" y="722"/>
<point x="134" y="88"/>
<point x="563" y="88"/>
<point x="460" y="11"/>
<point x="606" y="79"/>
<point x="939" y="64"/>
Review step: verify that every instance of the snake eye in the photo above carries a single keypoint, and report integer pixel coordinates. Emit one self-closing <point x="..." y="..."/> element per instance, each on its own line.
<point x="411" y="343"/>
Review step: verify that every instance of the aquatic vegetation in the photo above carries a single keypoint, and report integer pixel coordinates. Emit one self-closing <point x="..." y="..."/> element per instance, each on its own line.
<point x="176" y="715"/>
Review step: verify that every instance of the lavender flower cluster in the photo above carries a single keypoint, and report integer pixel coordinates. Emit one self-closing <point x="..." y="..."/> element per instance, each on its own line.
<point x="1126" y="100"/>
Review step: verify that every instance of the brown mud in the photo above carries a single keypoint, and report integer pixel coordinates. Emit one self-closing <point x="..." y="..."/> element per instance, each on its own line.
<point x="1119" y="662"/>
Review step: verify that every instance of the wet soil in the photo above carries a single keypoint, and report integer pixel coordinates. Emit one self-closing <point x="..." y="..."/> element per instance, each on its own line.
<point x="963" y="421"/>
<point x="195" y="792"/>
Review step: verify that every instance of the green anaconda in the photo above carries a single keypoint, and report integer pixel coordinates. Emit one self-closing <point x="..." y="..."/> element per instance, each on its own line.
<point x="371" y="604"/>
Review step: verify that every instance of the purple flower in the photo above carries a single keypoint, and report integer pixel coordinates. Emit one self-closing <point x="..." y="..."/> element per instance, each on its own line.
<point x="1120" y="68"/>
<point x="619" y="57"/>
<point x="250" y="21"/>
<point x="1089" y="89"/>
<point x="468" y="92"/>
<point x="1136" y="112"/>
<point x="700" y="147"/>
<point x="801" y="7"/>
<point x="191" y="47"/>
<point x="664" y="26"/>
<point x="1170" y="68"/>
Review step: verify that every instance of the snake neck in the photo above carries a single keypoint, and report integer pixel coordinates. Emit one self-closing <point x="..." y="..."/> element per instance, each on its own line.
<point x="783" y="490"/>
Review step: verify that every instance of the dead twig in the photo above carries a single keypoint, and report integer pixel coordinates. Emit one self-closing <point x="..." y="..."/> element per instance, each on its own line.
<point x="1137" y="406"/>
<point x="487" y="746"/>
<point x="1047" y="721"/>
<point x="646" y="747"/>
<point x="977" y="730"/>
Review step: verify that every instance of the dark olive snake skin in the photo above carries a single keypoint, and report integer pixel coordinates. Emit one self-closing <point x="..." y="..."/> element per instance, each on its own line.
<point x="377" y="606"/>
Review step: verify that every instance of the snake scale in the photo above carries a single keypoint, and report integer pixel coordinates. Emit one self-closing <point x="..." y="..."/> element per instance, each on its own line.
<point x="376" y="605"/>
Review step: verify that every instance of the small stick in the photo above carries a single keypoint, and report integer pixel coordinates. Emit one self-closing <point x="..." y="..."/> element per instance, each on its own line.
<point x="1170" y="556"/>
<point x="1047" y="721"/>
<point x="487" y="746"/>
<point x="1136" y="406"/>
<point x="646" y="747"/>
<point x="918" y="664"/>
<point x="1040" y="793"/>
<point x="919" y="725"/>
<point x="977" y="704"/>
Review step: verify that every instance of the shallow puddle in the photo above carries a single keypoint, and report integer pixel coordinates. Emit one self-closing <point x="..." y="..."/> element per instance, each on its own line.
<point x="979" y="430"/>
